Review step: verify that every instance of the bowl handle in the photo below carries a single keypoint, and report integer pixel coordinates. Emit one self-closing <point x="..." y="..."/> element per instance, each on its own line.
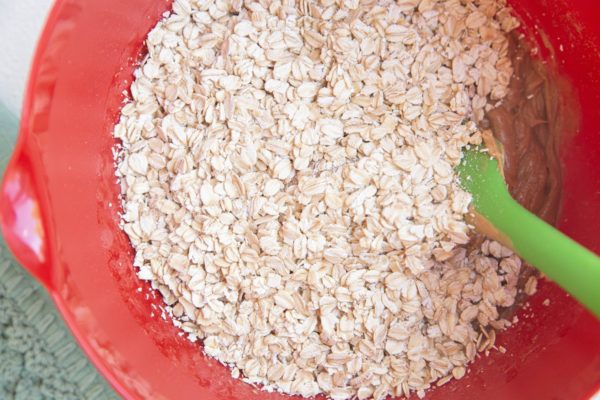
<point x="21" y="219"/>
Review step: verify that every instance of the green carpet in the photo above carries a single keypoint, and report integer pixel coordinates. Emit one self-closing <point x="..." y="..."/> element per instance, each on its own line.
<point x="38" y="357"/>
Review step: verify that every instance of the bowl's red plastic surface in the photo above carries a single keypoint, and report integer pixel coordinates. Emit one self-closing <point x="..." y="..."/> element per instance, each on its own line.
<point x="59" y="214"/>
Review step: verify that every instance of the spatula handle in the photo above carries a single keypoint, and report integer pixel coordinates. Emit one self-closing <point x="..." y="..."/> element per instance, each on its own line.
<point x="563" y="260"/>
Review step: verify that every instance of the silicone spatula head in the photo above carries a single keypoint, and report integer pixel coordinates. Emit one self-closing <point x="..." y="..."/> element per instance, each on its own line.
<point x="563" y="260"/>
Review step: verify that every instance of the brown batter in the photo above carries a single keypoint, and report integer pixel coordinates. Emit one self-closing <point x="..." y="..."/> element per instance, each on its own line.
<point x="532" y="124"/>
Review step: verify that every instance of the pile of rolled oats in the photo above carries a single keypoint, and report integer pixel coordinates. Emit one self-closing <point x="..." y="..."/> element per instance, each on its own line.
<point x="288" y="186"/>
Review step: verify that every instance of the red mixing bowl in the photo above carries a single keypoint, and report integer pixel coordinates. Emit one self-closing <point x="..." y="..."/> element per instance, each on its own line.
<point x="59" y="215"/>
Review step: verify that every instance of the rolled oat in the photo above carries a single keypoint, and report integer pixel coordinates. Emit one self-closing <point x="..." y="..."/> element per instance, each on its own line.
<point x="288" y="186"/>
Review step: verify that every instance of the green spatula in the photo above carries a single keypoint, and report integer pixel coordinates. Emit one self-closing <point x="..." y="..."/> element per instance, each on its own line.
<point x="563" y="260"/>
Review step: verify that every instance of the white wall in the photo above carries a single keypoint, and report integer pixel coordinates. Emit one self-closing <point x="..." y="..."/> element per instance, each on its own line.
<point x="20" y="24"/>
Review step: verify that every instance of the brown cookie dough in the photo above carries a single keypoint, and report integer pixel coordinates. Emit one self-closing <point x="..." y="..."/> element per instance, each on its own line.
<point x="532" y="124"/>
